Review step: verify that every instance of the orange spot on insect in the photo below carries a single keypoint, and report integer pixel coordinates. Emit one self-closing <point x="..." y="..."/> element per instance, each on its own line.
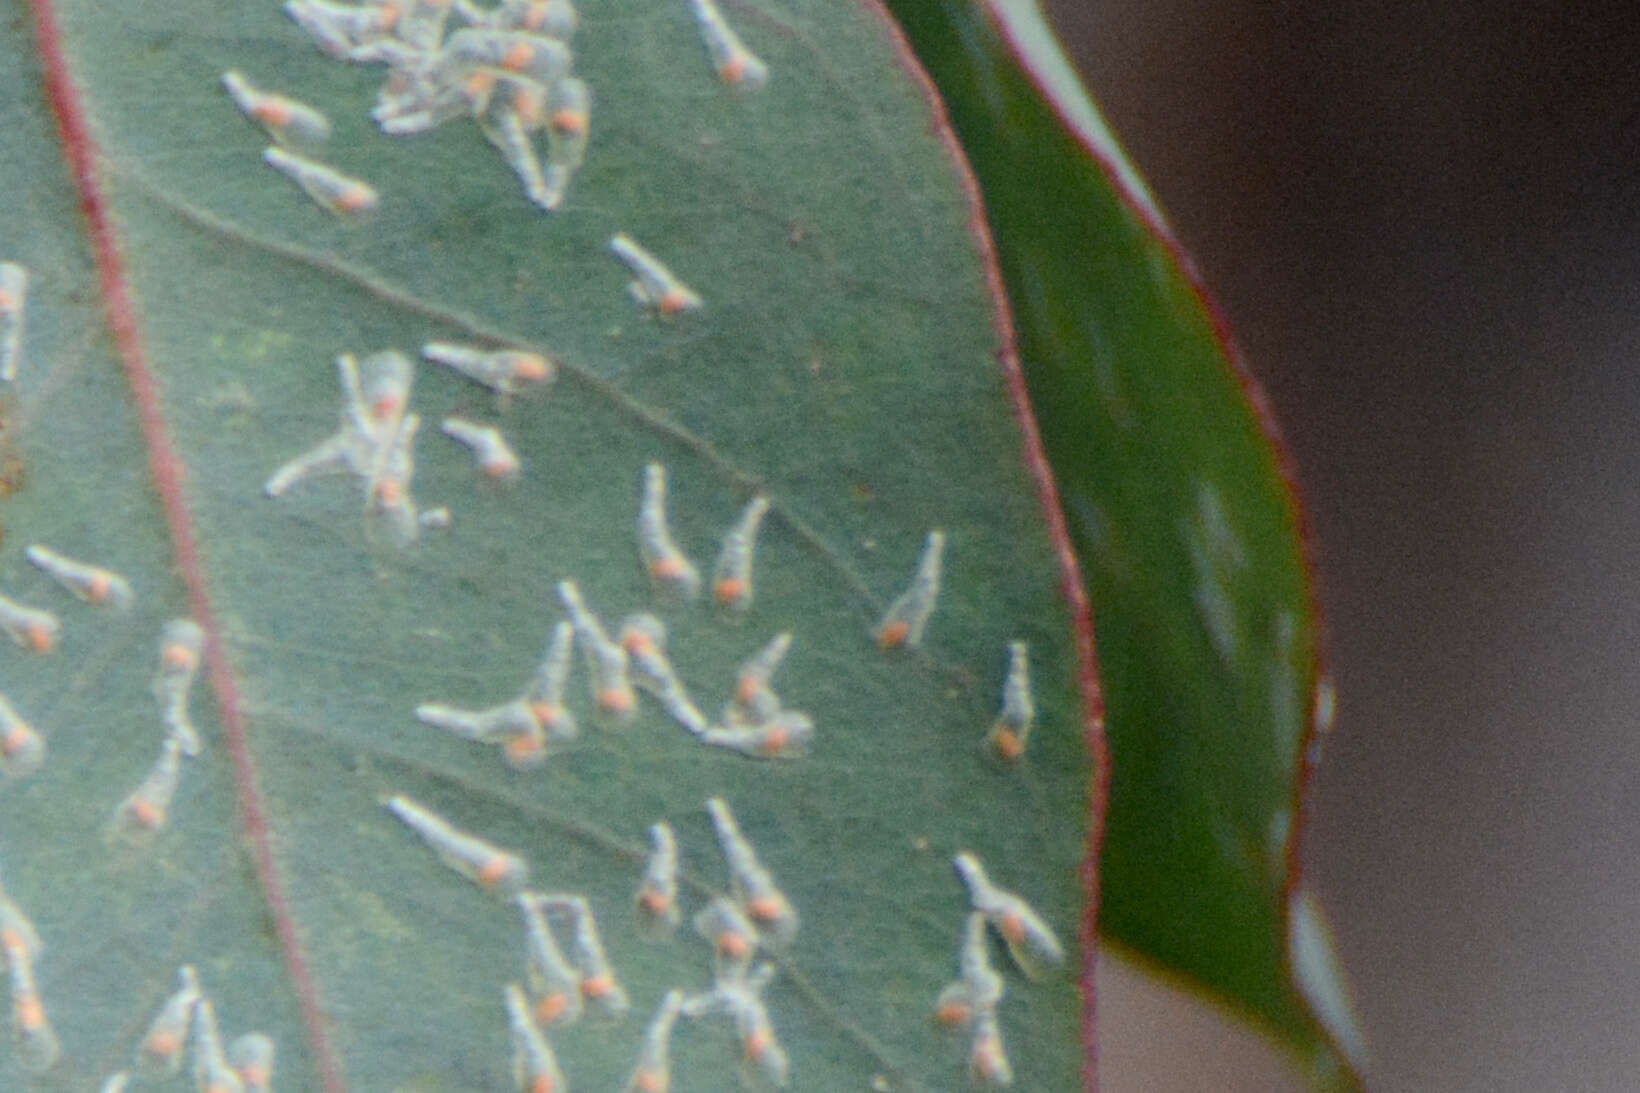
<point x="987" y="1061"/>
<point x="219" y="1087"/>
<point x="597" y="986"/>
<point x="569" y="121"/>
<point x="766" y="908"/>
<point x="388" y="491"/>
<point x="7" y="301"/>
<point x="254" y="1076"/>
<point x="733" y="70"/>
<point x="756" y="1045"/>
<point x="774" y="741"/>
<point x="952" y="1014"/>
<point x="747" y="688"/>
<point x="731" y="944"/>
<point x="272" y="113"/>
<point x="523" y="747"/>
<point x="638" y="643"/>
<point x="542" y="1084"/>
<point x="615" y="700"/>
<point x="667" y="569"/>
<point x="146" y="814"/>
<point x="517" y="56"/>
<point x="177" y="657"/>
<point x="96" y="588"/>
<point x="729" y="590"/>
<point x="654" y="901"/>
<point x="546" y="715"/>
<point x="893" y="634"/>
<point x="1007" y="743"/>
<point x="355" y="199"/>
<point x="1012" y="927"/>
<point x="388" y="406"/>
<point x="480" y="84"/>
<point x="498" y="468"/>
<point x="649" y="1081"/>
<point x="40" y="637"/>
<point x="162" y="1044"/>
<point x="531" y="367"/>
<point x="16" y="739"/>
<point x="550" y="1008"/>
<point x="12" y="942"/>
<point x="30" y="1014"/>
<point x="491" y="872"/>
<point x="387" y="16"/>
<point x="673" y="301"/>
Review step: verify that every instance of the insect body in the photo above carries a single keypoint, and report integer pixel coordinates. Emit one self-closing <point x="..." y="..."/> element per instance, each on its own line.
<point x="987" y="1058"/>
<point x="511" y="724"/>
<point x="606" y="660"/>
<point x="599" y="988"/>
<point x="754" y="887"/>
<point x="93" y="584"/>
<point x="907" y="617"/>
<point x="653" y="1072"/>
<point x="1013" y="725"/>
<point x="569" y="121"/>
<point x="481" y="862"/>
<point x="654" y="285"/>
<point x="22" y="748"/>
<point x="546" y="691"/>
<point x="13" y="296"/>
<point x="763" y="1061"/>
<point x="977" y="987"/>
<point x="160" y="1050"/>
<point x="1031" y="942"/>
<point x="501" y="370"/>
<point x="141" y="815"/>
<point x="251" y="1057"/>
<point x="495" y="457"/>
<point x="32" y="628"/>
<point x="180" y="644"/>
<point x="287" y="121"/>
<point x="673" y="574"/>
<point x="342" y="194"/>
<point x="732" y="576"/>
<point x="736" y="65"/>
<point x="657" y="898"/>
<point x="553" y="983"/>
<point x="754" y="700"/>
<point x="535" y="1067"/>
<point x="38" y="1048"/>
<point x="787" y="734"/>
<point x="734" y="939"/>
<point x="16" y="931"/>
<point x="643" y="636"/>
<point x="212" y="1073"/>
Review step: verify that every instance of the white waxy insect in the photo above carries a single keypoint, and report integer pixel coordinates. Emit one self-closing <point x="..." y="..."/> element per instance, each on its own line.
<point x="733" y="937"/>
<point x="115" y="1082"/>
<point x="34" y="629"/>
<point x="977" y="987"/>
<point x="554" y="985"/>
<point x="532" y="56"/>
<point x="506" y="129"/>
<point x="1012" y="727"/>
<point x="552" y="18"/>
<point x="653" y="1072"/>
<point x="161" y="1047"/>
<point x="511" y="724"/>
<point x="483" y="863"/>
<point x="389" y="504"/>
<point x="347" y="449"/>
<point x="754" y="701"/>
<point x="93" y="584"/>
<point x="251" y="1057"/>
<point x="657" y="898"/>
<point x="674" y="576"/>
<point x="535" y="1067"/>
<point x="1031" y="941"/>
<point x="495" y="457"/>
<point x="546" y="691"/>
<point x="907" y="616"/>
<point x="286" y="120"/>
<point x="16" y="930"/>
<point x="181" y="643"/>
<point x="139" y="818"/>
<point x="654" y="285"/>
<point x="337" y="29"/>
<point x="22" y="748"/>
<point x="377" y="391"/>
<point x="503" y="370"/>
<point x="212" y="1074"/>
<point x="732" y="576"/>
<point x="342" y="194"/>
<point x="987" y="1058"/>
<point x="788" y="734"/>
<point x="601" y="992"/>
<point x="763" y="1061"/>
<point x="13" y="298"/>
<point x="38" y="1048"/>
<point x="753" y="886"/>
<point x="736" y="65"/>
<point x="643" y="636"/>
<point x="569" y="124"/>
<point x="434" y="98"/>
<point x="612" y="692"/>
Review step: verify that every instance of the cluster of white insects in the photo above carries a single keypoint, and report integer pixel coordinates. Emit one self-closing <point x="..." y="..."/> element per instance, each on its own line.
<point x="508" y="68"/>
<point x="558" y="989"/>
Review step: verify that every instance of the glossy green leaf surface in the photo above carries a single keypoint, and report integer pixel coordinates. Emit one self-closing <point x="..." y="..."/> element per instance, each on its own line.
<point x="844" y="363"/>
<point x="1181" y="517"/>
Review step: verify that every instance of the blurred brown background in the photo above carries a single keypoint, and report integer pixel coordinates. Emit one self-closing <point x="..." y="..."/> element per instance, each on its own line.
<point x="1424" y="223"/>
